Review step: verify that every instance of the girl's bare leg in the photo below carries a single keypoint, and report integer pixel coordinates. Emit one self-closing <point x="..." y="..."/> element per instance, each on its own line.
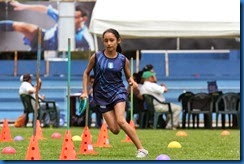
<point x="111" y="121"/>
<point x="116" y="120"/>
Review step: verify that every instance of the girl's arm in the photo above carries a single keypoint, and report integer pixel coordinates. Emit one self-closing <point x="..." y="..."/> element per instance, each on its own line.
<point x="86" y="76"/>
<point x="129" y="79"/>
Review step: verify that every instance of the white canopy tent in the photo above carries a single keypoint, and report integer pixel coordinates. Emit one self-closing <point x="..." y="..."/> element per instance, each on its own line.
<point x="167" y="18"/>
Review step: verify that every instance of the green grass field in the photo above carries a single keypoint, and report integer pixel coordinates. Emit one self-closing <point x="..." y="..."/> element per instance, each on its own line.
<point x="200" y="144"/>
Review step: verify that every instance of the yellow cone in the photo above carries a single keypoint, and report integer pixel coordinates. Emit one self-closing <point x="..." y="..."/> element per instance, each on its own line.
<point x="174" y="144"/>
<point x="181" y="134"/>
<point x="76" y="138"/>
<point x="225" y="133"/>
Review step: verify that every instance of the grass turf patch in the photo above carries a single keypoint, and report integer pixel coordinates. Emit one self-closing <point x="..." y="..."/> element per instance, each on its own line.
<point x="200" y="144"/>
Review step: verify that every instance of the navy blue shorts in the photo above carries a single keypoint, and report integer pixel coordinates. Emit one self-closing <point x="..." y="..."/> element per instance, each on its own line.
<point x="109" y="107"/>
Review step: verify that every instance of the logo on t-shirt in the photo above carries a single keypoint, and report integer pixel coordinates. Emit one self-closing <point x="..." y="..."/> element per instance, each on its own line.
<point x="110" y="65"/>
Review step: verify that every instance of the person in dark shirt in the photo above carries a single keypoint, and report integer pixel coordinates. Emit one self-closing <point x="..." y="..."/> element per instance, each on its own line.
<point x="109" y="92"/>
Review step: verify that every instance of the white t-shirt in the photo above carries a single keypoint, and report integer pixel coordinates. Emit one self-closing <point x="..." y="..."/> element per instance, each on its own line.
<point x="25" y="88"/>
<point x="153" y="89"/>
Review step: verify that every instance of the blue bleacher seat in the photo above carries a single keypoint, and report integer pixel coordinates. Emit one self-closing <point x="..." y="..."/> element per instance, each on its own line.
<point x="7" y="67"/>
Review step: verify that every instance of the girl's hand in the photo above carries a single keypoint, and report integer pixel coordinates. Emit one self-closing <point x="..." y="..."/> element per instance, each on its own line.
<point x="133" y="83"/>
<point x="83" y="95"/>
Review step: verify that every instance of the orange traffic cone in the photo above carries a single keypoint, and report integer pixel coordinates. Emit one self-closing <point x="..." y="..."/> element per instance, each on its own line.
<point x="38" y="130"/>
<point x="132" y="124"/>
<point x="5" y="135"/>
<point x="127" y="138"/>
<point x="86" y="143"/>
<point x="68" y="149"/>
<point x="103" y="140"/>
<point x="33" y="152"/>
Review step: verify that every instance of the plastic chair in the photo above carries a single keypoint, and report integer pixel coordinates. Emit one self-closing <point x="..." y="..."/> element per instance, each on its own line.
<point x="47" y="115"/>
<point x="28" y="107"/>
<point x="201" y="103"/>
<point x="183" y="98"/>
<point x="234" y="124"/>
<point x="151" y="110"/>
<point x="215" y="96"/>
<point x="50" y="114"/>
<point x="231" y="107"/>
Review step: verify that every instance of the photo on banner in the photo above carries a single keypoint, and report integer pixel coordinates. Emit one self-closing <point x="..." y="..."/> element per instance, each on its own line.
<point x="20" y="20"/>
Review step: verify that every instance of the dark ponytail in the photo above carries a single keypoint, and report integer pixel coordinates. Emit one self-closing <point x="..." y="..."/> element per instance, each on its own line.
<point x="117" y="35"/>
<point x="119" y="49"/>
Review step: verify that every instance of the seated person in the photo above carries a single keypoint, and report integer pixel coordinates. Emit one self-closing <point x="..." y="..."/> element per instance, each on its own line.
<point x="27" y="87"/>
<point x="148" y="67"/>
<point x="150" y="87"/>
